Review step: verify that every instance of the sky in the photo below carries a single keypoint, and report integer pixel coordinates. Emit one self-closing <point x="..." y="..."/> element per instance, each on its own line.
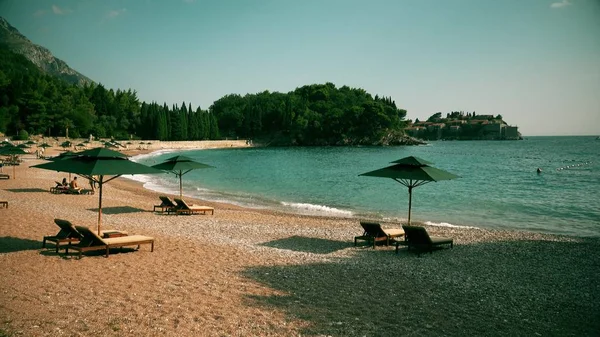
<point x="535" y="62"/>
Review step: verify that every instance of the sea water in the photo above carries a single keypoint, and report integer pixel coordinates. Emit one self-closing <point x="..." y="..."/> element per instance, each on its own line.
<point x="498" y="188"/>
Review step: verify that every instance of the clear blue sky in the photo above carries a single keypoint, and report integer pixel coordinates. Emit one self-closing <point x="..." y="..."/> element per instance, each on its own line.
<point x="535" y="62"/>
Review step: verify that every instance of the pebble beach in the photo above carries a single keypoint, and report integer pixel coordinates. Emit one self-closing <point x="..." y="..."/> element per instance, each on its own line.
<point x="248" y="272"/>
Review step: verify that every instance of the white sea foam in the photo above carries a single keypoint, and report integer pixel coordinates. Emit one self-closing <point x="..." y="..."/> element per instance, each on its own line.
<point x="445" y="224"/>
<point x="151" y="154"/>
<point x="153" y="183"/>
<point x="317" y="209"/>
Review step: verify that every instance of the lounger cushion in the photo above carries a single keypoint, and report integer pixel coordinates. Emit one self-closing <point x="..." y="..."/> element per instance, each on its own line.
<point x="133" y="239"/>
<point x="392" y="232"/>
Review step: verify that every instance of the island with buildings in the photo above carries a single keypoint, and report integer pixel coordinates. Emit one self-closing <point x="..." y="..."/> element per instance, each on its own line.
<point x="459" y="125"/>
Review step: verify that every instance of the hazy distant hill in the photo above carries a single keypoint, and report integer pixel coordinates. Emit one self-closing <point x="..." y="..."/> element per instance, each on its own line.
<point x="38" y="55"/>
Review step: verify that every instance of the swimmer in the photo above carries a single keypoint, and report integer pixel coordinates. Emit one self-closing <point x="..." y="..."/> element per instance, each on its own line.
<point x="539" y="170"/>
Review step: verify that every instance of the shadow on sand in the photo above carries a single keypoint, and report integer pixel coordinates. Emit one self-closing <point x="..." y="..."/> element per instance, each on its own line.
<point x="26" y="190"/>
<point x="73" y="254"/>
<point x="119" y="210"/>
<point x="9" y="244"/>
<point x="516" y="288"/>
<point x="309" y="245"/>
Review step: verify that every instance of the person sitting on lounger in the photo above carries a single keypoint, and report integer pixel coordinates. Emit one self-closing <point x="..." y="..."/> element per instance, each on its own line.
<point x="74" y="186"/>
<point x="65" y="183"/>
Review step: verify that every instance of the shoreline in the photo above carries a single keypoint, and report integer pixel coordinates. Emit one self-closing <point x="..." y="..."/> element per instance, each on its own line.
<point x="319" y="209"/>
<point x="254" y="272"/>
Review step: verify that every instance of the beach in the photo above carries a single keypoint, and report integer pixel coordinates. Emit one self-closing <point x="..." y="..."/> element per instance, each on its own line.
<point x="249" y="272"/>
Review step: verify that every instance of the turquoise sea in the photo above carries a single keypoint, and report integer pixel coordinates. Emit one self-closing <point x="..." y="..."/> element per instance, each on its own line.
<point x="498" y="187"/>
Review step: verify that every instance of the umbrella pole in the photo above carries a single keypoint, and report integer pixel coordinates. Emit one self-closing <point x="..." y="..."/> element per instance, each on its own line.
<point x="409" y="202"/>
<point x="100" y="204"/>
<point x="14" y="176"/>
<point x="180" y="187"/>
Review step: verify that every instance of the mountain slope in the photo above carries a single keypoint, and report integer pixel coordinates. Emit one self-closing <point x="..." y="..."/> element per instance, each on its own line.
<point x="38" y="55"/>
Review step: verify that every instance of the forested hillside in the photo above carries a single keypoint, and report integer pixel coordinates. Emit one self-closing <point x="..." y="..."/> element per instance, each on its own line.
<point x="318" y="114"/>
<point x="32" y="102"/>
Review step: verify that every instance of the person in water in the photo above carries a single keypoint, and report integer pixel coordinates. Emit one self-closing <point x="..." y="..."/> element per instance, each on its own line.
<point x="539" y="170"/>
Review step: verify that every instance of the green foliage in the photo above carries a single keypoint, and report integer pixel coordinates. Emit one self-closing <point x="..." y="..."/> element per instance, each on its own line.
<point x="23" y="135"/>
<point x="317" y="114"/>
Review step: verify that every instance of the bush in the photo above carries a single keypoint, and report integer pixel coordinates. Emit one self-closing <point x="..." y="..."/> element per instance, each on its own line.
<point x="23" y="135"/>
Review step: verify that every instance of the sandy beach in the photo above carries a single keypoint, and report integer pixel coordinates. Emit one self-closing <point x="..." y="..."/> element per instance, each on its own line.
<point x="246" y="272"/>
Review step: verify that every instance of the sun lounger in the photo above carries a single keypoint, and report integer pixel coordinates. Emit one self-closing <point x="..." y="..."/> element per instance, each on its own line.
<point x="373" y="233"/>
<point x="166" y="205"/>
<point x="59" y="189"/>
<point x="90" y="241"/>
<point x="69" y="234"/>
<point x="184" y="208"/>
<point x="4" y="176"/>
<point x="418" y="238"/>
<point x="3" y="204"/>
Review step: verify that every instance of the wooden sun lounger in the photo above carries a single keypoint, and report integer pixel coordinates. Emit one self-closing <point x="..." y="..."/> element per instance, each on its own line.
<point x="4" y="176"/>
<point x="90" y="241"/>
<point x="373" y="233"/>
<point x="69" y="234"/>
<point x="59" y="189"/>
<point x="4" y="203"/>
<point x="184" y="208"/>
<point x="418" y="238"/>
<point x="166" y="205"/>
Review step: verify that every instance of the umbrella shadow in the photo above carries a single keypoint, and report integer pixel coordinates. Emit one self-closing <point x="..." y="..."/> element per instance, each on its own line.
<point x="9" y="244"/>
<point x="452" y="292"/>
<point x="26" y="190"/>
<point x="306" y="244"/>
<point x="118" y="210"/>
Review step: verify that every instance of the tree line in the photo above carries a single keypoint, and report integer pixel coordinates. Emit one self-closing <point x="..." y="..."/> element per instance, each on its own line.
<point x="32" y="102"/>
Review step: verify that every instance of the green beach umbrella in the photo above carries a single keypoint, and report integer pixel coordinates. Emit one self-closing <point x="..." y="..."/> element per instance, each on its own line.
<point x="12" y="151"/>
<point x="180" y="165"/>
<point x="30" y="142"/>
<point x="23" y="146"/>
<point x="66" y="144"/>
<point x="62" y="156"/>
<point x="411" y="172"/>
<point x="45" y="145"/>
<point x="96" y="164"/>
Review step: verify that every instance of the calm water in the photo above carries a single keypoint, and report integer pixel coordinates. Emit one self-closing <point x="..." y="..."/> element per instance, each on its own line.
<point x="499" y="187"/>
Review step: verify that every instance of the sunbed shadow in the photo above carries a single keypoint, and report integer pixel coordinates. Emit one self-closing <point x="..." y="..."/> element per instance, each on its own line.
<point x="26" y="190"/>
<point x="119" y="210"/>
<point x="306" y="244"/>
<point x="9" y="244"/>
<point x="492" y="289"/>
<point x="74" y="255"/>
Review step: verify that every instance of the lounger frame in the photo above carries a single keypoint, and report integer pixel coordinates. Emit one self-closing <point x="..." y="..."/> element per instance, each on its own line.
<point x="373" y="233"/>
<point x="90" y="241"/>
<point x="167" y="205"/>
<point x="417" y="237"/>
<point x="184" y="208"/>
<point x="67" y="234"/>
